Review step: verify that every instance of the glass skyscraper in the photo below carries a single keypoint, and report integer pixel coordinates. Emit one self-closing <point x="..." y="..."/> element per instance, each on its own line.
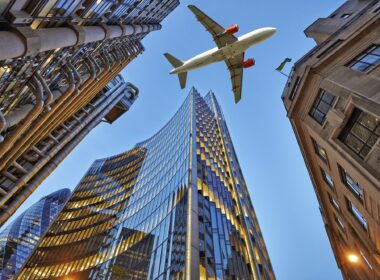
<point x="20" y="238"/>
<point x="174" y="207"/>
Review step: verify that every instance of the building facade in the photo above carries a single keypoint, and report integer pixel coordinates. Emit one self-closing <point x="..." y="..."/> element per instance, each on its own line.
<point x="20" y="238"/>
<point x="332" y="99"/>
<point x="56" y="56"/>
<point x="174" y="207"/>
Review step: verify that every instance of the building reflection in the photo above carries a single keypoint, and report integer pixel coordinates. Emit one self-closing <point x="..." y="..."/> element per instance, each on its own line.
<point x="174" y="207"/>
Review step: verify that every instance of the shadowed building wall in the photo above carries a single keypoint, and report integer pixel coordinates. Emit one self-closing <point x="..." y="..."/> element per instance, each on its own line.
<point x="174" y="207"/>
<point x="332" y="99"/>
<point x="56" y="57"/>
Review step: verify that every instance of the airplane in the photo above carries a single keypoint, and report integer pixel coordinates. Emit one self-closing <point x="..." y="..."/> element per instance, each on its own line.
<point x="230" y="49"/>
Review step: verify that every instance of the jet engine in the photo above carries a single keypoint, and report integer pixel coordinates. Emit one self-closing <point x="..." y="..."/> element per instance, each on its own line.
<point x="249" y="63"/>
<point x="232" y="29"/>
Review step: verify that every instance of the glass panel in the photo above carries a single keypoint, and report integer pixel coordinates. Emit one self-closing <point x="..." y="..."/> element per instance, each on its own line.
<point x="376" y="50"/>
<point x="352" y="184"/>
<point x="358" y="215"/>
<point x="321" y="106"/>
<point x="371" y="59"/>
<point x="369" y="121"/>
<point x="365" y="151"/>
<point x="359" y="66"/>
<point x="328" y="179"/>
<point x="361" y="132"/>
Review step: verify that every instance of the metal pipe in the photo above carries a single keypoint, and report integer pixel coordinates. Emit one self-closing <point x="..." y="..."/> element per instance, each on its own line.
<point x="49" y="95"/>
<point x="105" y="61"/>
<point x="135" y="89"/>
<point x="40" y="128"/>
<point x="47" y="169"/>
<point x="22" y="143"/>
<point x="75" y="71"/>
<point x="37" y="109"/>
<point x="96" y="116"/>
<point x="97" y="67"/>
<point x="3" y="124"/>
<point x="13" y="44"/>
<point x="91" y="67"/>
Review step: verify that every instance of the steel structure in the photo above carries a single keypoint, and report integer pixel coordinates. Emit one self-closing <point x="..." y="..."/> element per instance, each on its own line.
<point x="56" y="56"/>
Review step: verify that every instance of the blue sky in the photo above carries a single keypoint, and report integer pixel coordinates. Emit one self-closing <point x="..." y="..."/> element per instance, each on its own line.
<point x="271" y="161"/>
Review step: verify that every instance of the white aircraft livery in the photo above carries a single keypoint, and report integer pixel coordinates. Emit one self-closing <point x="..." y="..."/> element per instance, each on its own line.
<point x="230" y="49"/>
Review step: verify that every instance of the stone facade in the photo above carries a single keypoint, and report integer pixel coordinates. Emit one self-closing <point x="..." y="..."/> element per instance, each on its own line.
<point x="332" y="99"/>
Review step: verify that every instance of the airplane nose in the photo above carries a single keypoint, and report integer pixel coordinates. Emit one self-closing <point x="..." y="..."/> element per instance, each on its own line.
<point x="271" y="30"/>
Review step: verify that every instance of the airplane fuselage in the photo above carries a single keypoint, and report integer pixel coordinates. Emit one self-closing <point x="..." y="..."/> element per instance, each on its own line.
<point x="243" y="43"/>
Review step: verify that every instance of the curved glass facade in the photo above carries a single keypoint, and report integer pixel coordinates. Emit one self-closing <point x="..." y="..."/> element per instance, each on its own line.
<point x="174" y="207"/>
<point x="19" y="239"/>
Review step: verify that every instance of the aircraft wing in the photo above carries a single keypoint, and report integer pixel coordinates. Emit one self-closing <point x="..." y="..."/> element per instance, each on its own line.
<point x="236" y="72"/>
<point x="218" y="33"/>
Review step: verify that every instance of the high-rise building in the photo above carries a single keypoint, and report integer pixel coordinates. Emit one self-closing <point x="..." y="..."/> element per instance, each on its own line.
<point x="20" y="238"/>
<point x="332" y="99"/>
<point x="55" y="59"/>
<point x="174" y="207"/>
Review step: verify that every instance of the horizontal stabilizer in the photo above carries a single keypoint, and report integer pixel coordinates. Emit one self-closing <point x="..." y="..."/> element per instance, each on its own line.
<point x="173" y="61"/>
<point x="177" y="63"/>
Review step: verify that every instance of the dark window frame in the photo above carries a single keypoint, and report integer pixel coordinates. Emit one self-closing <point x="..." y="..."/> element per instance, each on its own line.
<point x="325" y="176"/>
<point x="346" y="15"/>
<point x="339" y="223"/>
<point x="350" y="183"/>
<point x="334" y="203"/>
<point x="360" y="60"/>
<point x="357" y="214"/>
<point x="317" y="149"/>
<point x="348" y="132"/>
<point x="324" y="98"/>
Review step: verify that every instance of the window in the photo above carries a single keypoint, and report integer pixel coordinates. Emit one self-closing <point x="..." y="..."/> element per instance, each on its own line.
<point x="361" y="132"/>
<point x="356" y="213"/>
<point x="346" y="15"/>
<point x="351" y="184"/>
<point x="339" y="222"/>
<point x="366" y="260"/>
<point x="366" y="60"/>
<point x="321" y="152"/>
<point x="333" y="202"/>
<point x="328" y="179"/>
<point x="321" y="106"/>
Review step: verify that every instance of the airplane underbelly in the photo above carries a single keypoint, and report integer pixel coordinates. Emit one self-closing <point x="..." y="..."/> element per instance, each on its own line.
<point x="200" y="62"/>
<point x="230" y="51"/>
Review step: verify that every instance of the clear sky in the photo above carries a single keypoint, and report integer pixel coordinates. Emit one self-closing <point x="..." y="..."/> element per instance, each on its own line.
<point x="271" y="161"/>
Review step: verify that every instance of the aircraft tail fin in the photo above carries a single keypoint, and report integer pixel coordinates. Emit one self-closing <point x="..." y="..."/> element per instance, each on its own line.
<point x="177" y="63"/>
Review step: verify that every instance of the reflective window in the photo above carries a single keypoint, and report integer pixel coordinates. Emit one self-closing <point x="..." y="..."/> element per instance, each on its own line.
<point x="351" y="183"/>
<point x="357" y="214"/>
<point x="339" y="222"/>
<point x="328" y="179"/>
<point x="366" y="260"/>
<point x="321" y="106"/>
<point x="321" y="152"/>
<point x="334" y="202"/>
<point x="361" y="132"/>
<point x="367" y="60"/>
